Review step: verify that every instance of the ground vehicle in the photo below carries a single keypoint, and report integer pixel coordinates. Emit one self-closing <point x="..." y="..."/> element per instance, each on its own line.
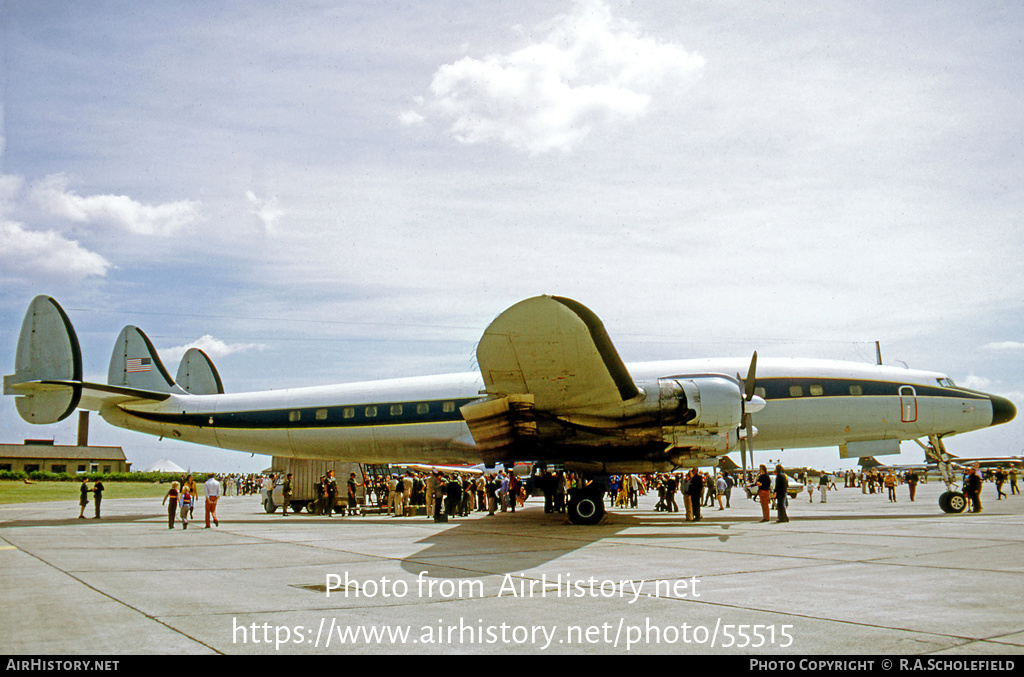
<point x="306" y="473"/>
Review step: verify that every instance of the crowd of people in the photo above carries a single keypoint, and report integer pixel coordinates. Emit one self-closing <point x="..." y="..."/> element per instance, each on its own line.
<point x="241" y="484"/>
<point x="456" y="494"/>
<point x="451" y="494"/>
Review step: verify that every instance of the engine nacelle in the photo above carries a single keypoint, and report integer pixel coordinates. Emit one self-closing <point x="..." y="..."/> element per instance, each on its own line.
<point x="701" y="411"/>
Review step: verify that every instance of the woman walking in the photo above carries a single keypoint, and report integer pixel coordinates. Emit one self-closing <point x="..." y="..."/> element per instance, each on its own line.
<point x="172" y="508"/>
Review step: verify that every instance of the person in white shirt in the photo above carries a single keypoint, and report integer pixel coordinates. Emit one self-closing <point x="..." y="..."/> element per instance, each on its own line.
<point x="212" y="491"/>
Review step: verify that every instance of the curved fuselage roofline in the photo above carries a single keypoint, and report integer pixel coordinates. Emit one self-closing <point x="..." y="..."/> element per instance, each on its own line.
<point x="468" y="384"/>
<point x="778" y="367"/>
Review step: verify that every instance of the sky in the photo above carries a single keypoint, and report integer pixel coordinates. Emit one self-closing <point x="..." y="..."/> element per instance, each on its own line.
<point x="326" y="192"/>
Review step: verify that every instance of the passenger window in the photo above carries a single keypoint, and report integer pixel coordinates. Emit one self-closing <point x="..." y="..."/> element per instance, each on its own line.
<point x="294" y="416"/>
<point x="321" y="414"/>
<point x="449" y="407"/>
<point x="396" y="410"/>
<point x="760" y="392"/>
<point x="371" y="412"/>
<point x="422" y="408"/>
<point x="856" y="390"/>
<point x="817" y="390"/>
<point x="349" y="412"/>
<point x="796" y="391"/>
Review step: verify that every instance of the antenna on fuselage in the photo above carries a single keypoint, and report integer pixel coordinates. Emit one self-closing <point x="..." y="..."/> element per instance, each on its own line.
<point x="878" y="353"/>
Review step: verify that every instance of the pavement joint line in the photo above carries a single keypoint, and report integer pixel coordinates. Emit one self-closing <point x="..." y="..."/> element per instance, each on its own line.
<point x="120" y="602"/>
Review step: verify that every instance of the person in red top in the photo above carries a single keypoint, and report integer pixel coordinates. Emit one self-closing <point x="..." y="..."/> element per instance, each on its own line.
<point x="172" y="509"/>
<point x="764" y="488"/>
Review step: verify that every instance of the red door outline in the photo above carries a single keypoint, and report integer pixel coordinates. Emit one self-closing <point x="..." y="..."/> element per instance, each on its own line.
<point x="908" y="404"/>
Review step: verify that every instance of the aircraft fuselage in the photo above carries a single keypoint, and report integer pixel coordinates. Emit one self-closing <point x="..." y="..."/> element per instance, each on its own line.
<point x="810" y="403"/>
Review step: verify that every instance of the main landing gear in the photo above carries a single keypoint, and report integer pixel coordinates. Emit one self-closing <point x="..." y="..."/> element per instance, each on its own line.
<point x="952" y="501"/>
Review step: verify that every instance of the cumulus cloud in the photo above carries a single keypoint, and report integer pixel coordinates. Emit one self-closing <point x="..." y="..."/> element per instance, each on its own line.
<point x="52" y="195"/>
<point x="266" y="210"/>
<point x="581" y="71"/>
<point x="1004" y="345"/>
<point x="213" y="347"/>
<point x="27" y="254"/>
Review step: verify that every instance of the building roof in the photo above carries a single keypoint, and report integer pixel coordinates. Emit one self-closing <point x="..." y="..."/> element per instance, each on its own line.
<point x="53" y="451"/>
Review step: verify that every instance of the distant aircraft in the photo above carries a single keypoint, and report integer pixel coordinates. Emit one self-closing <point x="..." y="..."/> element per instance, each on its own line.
<point x="956" y="462"/>
<point x="551" y="389"/>
<point x="872" y="463"/>
<point x="966" y="463"/>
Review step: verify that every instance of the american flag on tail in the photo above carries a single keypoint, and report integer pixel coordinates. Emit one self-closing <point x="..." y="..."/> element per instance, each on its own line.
<point x="136" y="365"/>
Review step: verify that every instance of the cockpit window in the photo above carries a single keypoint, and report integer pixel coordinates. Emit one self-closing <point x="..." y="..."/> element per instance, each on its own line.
<point x="946" y="382"/>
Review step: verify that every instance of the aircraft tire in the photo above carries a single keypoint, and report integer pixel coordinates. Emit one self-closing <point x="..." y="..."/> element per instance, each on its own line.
<point x="268" y="505"/>
<point x="586" y="510"/>
<point x="952" y="502"/>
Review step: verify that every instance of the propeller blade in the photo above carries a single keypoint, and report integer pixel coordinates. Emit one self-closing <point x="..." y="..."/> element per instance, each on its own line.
<point x="751" y="379"/>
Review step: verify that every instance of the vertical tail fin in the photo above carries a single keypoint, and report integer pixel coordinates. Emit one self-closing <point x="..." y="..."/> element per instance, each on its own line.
<point x="135" y="364"/>
<point x="197" y="375"/>
<point x="47" y="365"/>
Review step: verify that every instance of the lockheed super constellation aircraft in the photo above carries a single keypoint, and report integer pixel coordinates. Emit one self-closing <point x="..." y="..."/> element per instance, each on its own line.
<point x="551" y="388"/>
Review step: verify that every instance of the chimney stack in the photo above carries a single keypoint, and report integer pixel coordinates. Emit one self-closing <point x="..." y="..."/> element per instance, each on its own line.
<point x="83" y="428"/>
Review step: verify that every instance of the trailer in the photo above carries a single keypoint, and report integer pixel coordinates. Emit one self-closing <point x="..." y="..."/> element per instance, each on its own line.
<point x="306" y="474"/>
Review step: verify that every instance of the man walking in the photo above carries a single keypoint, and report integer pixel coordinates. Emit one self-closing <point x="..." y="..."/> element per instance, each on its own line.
<point x="212" y="491"/>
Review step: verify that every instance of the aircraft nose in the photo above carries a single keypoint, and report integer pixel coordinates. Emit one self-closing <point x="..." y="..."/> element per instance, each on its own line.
<point x="1002" y="410"/>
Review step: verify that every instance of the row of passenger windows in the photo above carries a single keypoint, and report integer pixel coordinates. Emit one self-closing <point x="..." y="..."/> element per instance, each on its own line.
<point x="813" y="390"/>
<point x="373" y="410"/>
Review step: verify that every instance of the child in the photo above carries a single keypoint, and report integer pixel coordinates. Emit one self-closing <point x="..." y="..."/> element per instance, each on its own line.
<point x="186" y="505"/>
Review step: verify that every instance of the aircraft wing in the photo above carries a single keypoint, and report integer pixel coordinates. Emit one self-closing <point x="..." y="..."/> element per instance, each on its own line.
<point x="556" y="350"/>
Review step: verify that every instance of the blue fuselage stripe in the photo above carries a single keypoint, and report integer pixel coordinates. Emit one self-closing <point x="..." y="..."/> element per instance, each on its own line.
<point x="435" y="411"/>
<point x="343" y="416"/>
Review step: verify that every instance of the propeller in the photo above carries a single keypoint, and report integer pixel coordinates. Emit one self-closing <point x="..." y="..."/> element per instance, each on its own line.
<point x="751" y="403"/>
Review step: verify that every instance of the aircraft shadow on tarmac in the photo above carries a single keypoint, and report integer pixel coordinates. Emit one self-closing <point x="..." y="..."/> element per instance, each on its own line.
<point x="89" y="521"/>
<point x="511" y="543"/>
<point x="474" y="548"/>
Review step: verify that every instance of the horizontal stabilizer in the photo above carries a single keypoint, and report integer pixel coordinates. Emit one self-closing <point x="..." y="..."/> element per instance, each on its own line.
<point x="47" y="350"/>
<point x="197" y="375"/>
<point x="135" y="364"/>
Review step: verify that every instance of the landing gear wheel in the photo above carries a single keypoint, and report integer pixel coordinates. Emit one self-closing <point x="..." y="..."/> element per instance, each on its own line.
<point x="951" y="501"/>
<point x="268" y="505"/>
<point x="586" y="510"/>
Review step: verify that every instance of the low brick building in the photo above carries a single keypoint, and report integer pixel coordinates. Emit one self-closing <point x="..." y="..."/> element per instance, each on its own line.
<point x="45" y="456"/>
